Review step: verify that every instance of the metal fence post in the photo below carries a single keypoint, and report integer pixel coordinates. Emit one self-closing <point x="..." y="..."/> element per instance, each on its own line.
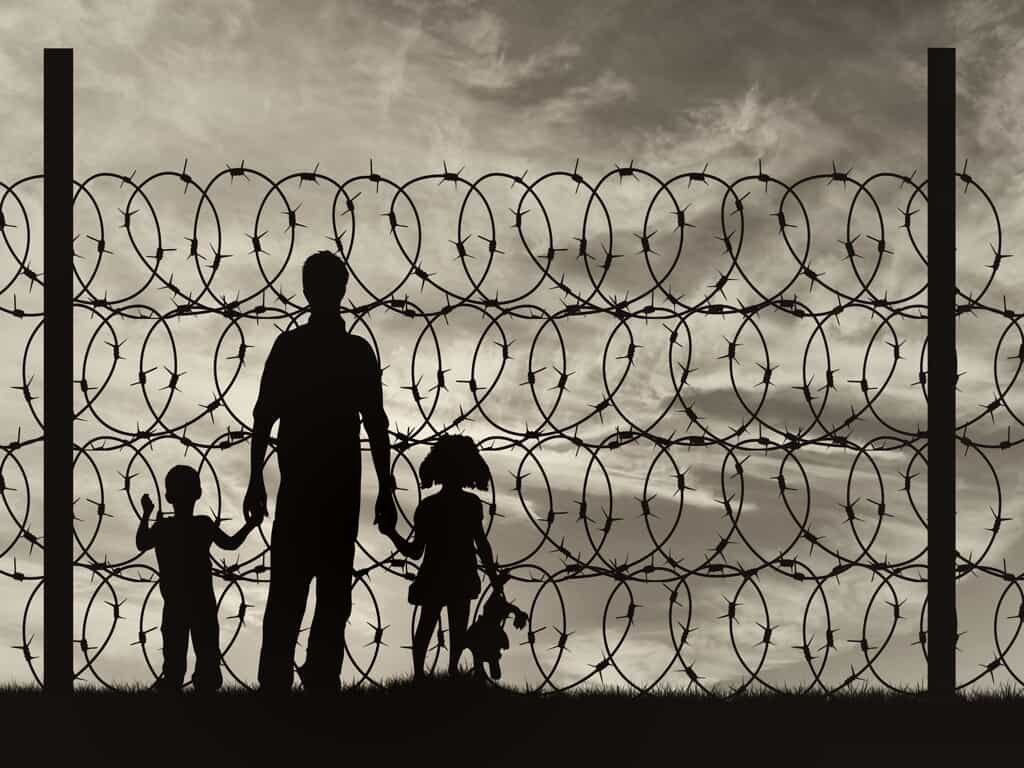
<point x="941" y="372"/>
<point x="58" y="402"/>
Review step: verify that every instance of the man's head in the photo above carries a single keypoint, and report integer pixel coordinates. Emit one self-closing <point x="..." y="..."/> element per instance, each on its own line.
<point x="182" y="488"/>
<point x="324" y="279"/>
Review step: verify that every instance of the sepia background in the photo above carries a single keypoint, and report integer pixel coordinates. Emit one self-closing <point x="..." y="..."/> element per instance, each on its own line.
<point x="526" y="89"/>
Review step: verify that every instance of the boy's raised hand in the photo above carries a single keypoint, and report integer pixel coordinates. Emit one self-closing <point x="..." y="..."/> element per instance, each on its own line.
<point x="147" y="505"/>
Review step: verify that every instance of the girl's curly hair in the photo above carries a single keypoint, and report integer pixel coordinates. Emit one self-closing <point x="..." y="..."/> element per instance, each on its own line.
<point x="455" y="459"/>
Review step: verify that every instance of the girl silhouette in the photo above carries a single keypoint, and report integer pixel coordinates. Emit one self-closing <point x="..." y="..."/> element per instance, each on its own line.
<point x="448" y="533"/>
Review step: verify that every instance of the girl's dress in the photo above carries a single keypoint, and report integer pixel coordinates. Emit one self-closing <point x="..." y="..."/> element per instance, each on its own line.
<point x="446" y="524"/>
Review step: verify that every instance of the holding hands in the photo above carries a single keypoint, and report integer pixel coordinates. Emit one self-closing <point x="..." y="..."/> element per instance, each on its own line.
<point x="254" y="507"/>
<point x="385" y="514"/>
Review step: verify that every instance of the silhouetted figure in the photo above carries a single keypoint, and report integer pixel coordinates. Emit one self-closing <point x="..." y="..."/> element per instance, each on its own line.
<point x="486" y="639"/>
<point x="448" y="532"/>
<point x="182" y="544"/>
<point x="318" y="381"/>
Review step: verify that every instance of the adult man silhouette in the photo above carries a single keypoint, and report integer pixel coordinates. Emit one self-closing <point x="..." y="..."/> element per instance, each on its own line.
<point x="318" y="381"/>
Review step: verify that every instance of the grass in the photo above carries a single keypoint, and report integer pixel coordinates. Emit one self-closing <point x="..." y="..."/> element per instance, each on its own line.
<point x="477" y="725"/>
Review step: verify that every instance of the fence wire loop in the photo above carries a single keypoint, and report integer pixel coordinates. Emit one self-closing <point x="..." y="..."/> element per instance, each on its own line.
<point x="560" y="283"/>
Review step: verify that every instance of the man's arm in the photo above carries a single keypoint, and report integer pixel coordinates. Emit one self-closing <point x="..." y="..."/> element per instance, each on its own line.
<point x="265" y="413"/>
<point x="254" y="507"/>
<point x="375" y="422"/>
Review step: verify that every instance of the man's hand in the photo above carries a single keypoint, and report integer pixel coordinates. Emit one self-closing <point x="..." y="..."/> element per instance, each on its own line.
<point x="385" y="514"/>
<point x="147" y="505"/>
<point x="254" y="507"/>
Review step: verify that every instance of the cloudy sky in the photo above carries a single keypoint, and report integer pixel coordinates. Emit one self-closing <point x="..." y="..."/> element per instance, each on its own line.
<point x="514" y="87"/>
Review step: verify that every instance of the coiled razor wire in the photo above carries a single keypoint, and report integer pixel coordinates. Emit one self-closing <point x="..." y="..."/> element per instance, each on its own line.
<point x="806" y="559"/>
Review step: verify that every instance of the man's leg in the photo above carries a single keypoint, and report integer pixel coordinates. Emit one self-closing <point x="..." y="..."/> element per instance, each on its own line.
<point x="174" y="630"/>
<point x="326" y="649"/>
<point x="286" y="602"/>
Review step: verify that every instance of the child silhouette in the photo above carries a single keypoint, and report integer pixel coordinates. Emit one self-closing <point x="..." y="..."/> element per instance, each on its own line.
<point x="448" y="533"/>
<point x="486" y="639"/>
<point x="182" y="545"/>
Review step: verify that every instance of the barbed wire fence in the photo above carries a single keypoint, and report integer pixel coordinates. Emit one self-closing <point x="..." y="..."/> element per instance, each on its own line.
<point x="693" y="551"/>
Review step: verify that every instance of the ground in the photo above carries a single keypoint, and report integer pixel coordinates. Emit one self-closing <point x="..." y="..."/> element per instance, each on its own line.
<point x="463" y="724"/>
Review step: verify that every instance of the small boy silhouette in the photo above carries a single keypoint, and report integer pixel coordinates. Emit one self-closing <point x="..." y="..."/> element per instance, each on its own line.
<point x="448" y="533"/>
<point x="182" y="545"/>
<point x="486" y="639"/>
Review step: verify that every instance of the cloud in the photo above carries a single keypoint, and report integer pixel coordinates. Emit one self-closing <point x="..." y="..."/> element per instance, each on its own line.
<point x="735" y="131"/>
